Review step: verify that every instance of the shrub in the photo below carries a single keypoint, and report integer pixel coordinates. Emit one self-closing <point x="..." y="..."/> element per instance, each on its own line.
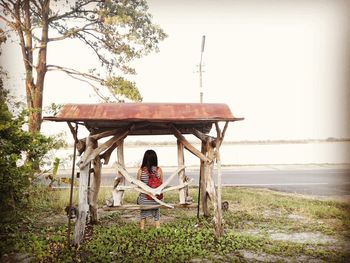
<point x="21" y="153"/>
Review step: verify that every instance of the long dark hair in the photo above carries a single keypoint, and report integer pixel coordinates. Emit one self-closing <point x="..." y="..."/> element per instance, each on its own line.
<point x="149" y="159"/>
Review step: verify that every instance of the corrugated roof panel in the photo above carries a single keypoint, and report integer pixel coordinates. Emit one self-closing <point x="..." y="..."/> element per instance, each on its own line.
<point x="153" y="112"/>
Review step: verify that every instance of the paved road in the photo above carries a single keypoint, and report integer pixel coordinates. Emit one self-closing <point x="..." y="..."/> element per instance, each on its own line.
<point x="323" y="182"/>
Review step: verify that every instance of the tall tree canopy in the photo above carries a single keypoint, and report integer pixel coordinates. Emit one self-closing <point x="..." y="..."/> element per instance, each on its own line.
<point x="116" y="31"/>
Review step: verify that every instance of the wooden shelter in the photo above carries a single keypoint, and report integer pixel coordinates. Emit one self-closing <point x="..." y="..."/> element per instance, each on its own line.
<point x="119" y="120"/>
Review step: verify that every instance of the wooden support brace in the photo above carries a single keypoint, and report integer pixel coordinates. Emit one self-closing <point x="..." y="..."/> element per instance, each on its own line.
<point x="101" y="135"/>
<point x="74" y="133"/>
<point x="143" y="188"/>
<point x="170" y="188"/>
<point x="80" y="144"/>
<point x="147" y="207"/>
<point x="103" y="147"/>
<point x="188" y="146"/>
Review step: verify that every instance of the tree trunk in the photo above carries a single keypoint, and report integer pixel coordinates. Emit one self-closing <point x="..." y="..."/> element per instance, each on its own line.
<point x="34" y="91"/>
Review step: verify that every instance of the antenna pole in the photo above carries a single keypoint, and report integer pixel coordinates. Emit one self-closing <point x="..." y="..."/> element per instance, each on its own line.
<point x="200" y="71"/>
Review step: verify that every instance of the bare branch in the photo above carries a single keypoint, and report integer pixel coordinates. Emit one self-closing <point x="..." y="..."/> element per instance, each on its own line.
<point x="6" y="6"/>
<point x="74" y="72"/>
<point x="10" y="23"/>
<point x="92" y="85"/>
<point x="74" y="10"/>
<point x="36" y="4"/>
<point x="70" y="33"/>
<point x="88" y="77"/>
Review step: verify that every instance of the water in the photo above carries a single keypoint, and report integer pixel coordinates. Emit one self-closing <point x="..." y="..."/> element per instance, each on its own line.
<point x="237" y="154"/>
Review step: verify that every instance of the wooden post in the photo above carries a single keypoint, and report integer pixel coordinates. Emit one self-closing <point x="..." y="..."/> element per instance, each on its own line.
<point x="219" y="212"/>
<point x="95" y="188"/>
<point x="181" y="161"/>
<point x="203" y="191"/>
<point x="210" y="186"/>
<point x="83" y="206"/>
<point x="119" y="180"/>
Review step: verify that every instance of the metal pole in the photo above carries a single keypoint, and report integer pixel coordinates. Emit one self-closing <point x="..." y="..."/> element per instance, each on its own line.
<point x="71" y="188"/>
<point x="200" y="72"/>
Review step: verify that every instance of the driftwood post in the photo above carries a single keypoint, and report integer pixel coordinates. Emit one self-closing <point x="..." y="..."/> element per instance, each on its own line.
<point x="181" y="161"/>
<point x="218" y="163"/>
<point x="83" y="206"/>
<point x="94" y="190"/>
<point x="119" y="180"/>
<point x="202" y="183"/>
<point x="208" y="174"/>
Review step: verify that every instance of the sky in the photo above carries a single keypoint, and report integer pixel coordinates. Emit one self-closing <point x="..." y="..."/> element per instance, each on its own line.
<point x="282" y="65"/>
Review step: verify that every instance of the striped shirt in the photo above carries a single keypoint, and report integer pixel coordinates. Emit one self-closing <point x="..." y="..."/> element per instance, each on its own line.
<point x="152" y="213"/>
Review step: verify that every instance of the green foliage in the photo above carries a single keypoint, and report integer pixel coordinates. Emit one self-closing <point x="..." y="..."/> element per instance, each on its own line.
<point x="53" y="109"/>
<point x="180" y="241"/>
<point x="183" y="239"/>
<point x="21" y="153"/>
<point x="122" y="87"/>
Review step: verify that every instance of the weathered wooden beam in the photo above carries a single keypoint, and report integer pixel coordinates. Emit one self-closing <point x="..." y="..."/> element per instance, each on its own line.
<point x="188" y="146"/>
<point x="218" y="164"/>
<point x="143" y="188"/>
<point x="103" y="147"/>
<point x="167" y="189"/>
<point x="200" y="135"/>
<point x="203" y="195"/>
<point x="73" y="131"/>
<point x="103" y="134"/>
<point x="180" y="186"/>
<point x="119" y="180"/>
<point x="146" y="207"/>
<point x="80" y="144"/>
<point x="210" y="188"/>
<point x="94" y="189"/>
<point x="220" y="136"/>
<point x="83" y="206"/>
<point x="107" y="154"/>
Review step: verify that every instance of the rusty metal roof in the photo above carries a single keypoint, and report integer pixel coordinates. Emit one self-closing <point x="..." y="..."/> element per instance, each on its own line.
<point x="108" y="115"/>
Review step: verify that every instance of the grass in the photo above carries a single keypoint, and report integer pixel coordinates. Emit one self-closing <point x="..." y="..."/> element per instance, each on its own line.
<point x="308" y="229"/>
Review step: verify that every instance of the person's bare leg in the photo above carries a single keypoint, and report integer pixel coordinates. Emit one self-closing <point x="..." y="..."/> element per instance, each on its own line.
<point x="142" y="223"/>
<point x="158" y="224"/>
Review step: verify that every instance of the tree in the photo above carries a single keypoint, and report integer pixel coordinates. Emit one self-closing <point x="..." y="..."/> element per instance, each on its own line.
<point x="21" y="152"/>
<point x="116" y="31"/>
